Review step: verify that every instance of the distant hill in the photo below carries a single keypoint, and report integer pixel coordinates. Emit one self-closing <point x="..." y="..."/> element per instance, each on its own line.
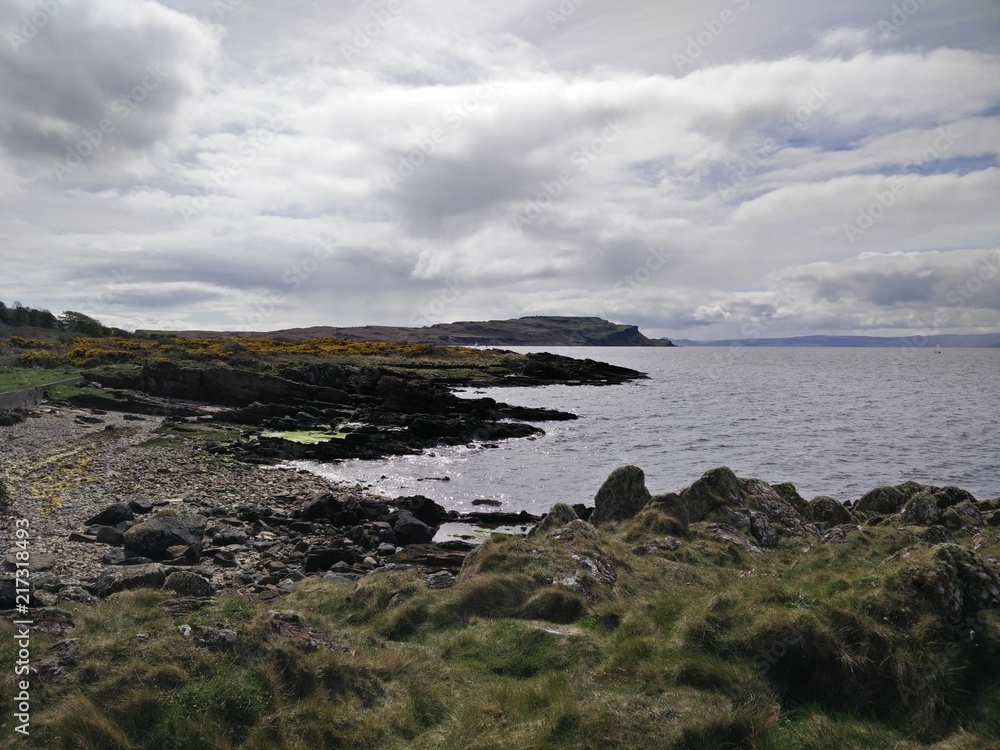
<point x="945" y="341"/>
<point x="539" y="330"/>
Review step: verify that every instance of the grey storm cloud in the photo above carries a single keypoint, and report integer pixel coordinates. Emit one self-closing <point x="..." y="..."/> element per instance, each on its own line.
<point x="702" y="171"/>
<point x="112" y="75"/>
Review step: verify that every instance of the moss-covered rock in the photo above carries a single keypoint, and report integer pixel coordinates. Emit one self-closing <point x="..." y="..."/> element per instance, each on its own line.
<point x="886" y="500"/>
<point x="716" y="490"/>
<point x="826" y="510"/>
<point x="622" y="495"/>
<point x="558" y="516"/>
<point x="920" y="510"/>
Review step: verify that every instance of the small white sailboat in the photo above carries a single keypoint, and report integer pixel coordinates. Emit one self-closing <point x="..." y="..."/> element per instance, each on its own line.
<point x="938" y="350"/>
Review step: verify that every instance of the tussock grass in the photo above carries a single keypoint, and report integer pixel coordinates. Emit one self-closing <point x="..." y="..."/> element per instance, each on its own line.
<point x="832" y="647"/>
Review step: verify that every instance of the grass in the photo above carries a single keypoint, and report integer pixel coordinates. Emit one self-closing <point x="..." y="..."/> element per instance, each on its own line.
<point x="16" y="378"/>
<point x="306" y="437"/>
<point x="695" y="648"/>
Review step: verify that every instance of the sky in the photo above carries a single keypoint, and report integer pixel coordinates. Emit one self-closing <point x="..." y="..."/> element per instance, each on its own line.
<point x="732" y="168"/>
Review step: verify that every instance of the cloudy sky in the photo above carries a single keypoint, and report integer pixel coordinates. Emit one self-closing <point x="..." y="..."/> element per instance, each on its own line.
<point x="701" y="169"/>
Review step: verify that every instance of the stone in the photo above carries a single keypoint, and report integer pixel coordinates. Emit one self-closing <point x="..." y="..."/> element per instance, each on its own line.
<point x="324" y="506"/>
<point x="151" y="575"/>
<point x="560" y="515"/>
<point x="189" y="584"/>
<point x="385" y="550"/>
<point x="214" y="639"/>
<point x="826" y="510"/>
<point x="411" y="530"/>
<point x="622" y="495"/>
<point x="165" y="529"/>
<point x="422" y="508"/>
<point x="110" y="516"/>
<point x="957" y="517"/>
<point x="141" y="506"/>
<point x="324" y="559"/>
<point x="229" y="536"/>
<point x="887" y="500"/>
<point x="920" y="510"/>
<point x="667" y="544"/>
<point x="716" y="490"/>
<point x="75" y="594"/>
<point x="109" y="535"/>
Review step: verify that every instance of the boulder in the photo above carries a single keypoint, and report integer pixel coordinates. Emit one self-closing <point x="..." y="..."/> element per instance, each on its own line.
<point x="411" y="530"/>
<point x="154" y="537"/>
<point x="111" y="516"/>
<point x="673" y="505"/>
<point x="717" y="489"/>
<point x="151" y="575"/>
<point x="326" y="558"/>
<point x="324" y="506"/>
<point x="960" y="581"/>
<point x="109" y="535"/>
<point x="790" y="495"/>
<point x="560" y="515"/>
<point x="622" y="495"/>
<point x="781" y="514"/>
<point x="188" y="583"/>
<point x="823" y="509"/>
<point x="887" y="500"/>
<point x="422" y="508"/>
<point x="920" y="510"/>
<point x="957" y="517"/>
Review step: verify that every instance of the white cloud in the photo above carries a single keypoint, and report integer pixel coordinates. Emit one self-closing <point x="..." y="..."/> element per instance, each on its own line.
<point x="536" y="164"/>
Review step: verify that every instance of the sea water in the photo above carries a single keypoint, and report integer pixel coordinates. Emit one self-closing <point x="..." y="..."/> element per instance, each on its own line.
<point x="833" y="421"/>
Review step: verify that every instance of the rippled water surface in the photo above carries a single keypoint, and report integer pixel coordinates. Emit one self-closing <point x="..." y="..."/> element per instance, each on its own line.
<point x="835" y="422"/>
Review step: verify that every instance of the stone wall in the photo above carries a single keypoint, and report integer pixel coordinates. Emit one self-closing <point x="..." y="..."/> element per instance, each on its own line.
<point x="27" y="397"/>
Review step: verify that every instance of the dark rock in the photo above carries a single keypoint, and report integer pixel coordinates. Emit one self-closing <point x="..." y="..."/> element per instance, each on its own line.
<point x="141" y="506"/>
<point x="411" y="530"/>
<point x="302" y="527"/>
<point x="716" y="490"/>
<point x="123" y="557"/>
<point x="324" y="559"/>
<point x="165" y="529"/>
<point x="151" y="575"/>
<point x="726" y="534"/>
<point x="788" y="492"/>
<point x="76" y="536"/>
<point x="622" y="495"/>
<point x="8" y="592"/>
<point x="487" y="501"/>
<point x="949" y="496"/>
<point x="108" y="535"/>
<point x="422" y="508"/>
<point x="113" y="514"/>
<point x="826" y="510"/>
<point x="224" y="558"/>
<point x="229" y="536"/>
<point x="75" y="594"/>
<point x="385" y="550"/>
<point x="937" y="535"/>
<point x="188" y="583"/>
<point x="886" y="500"/>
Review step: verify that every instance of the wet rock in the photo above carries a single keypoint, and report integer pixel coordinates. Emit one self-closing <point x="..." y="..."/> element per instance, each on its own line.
<point x="422" y="508"/>
<point x="165" y="529"/>
<point x="622" y="495"/>
<point x="110" y="516"/>
<point x="411" y="530"/>
<point x="827" y="510"/>
<point x="188" y="583"/>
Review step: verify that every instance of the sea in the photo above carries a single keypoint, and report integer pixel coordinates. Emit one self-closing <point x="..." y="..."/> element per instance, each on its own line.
<point x="833" y="421"/>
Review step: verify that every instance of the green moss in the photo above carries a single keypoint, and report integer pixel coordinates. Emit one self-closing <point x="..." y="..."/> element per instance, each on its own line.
<point x="306" y="437"/>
